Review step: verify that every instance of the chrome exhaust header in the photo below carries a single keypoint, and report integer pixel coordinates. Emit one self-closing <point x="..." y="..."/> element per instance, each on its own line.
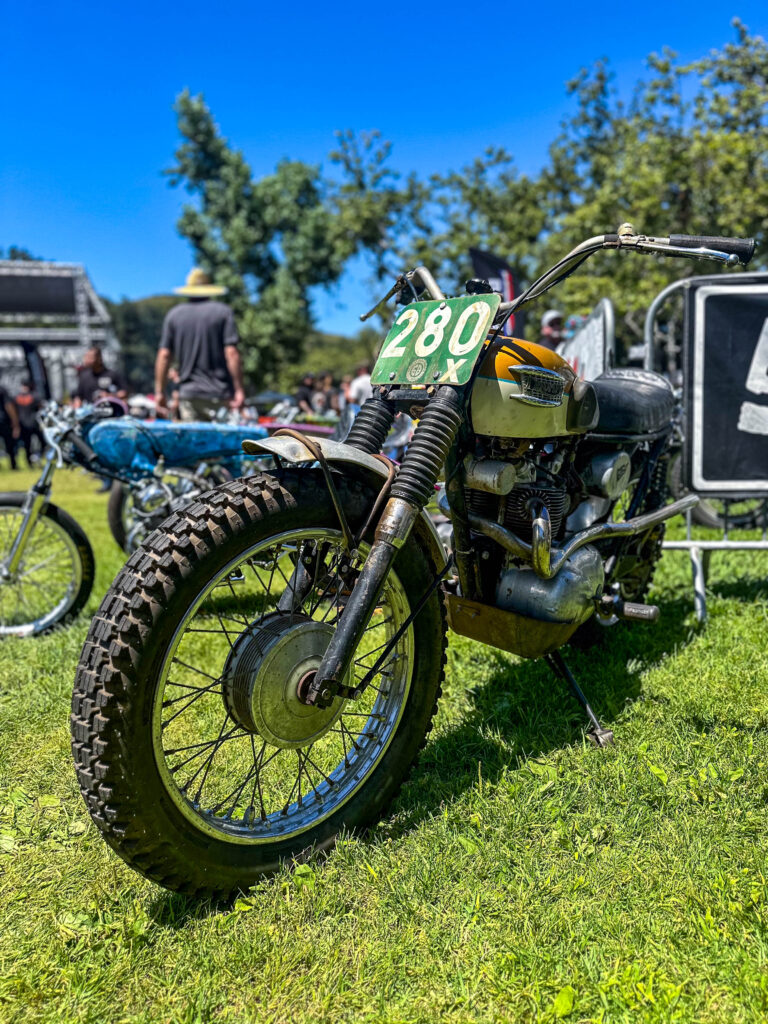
<point x="547" y="558"/>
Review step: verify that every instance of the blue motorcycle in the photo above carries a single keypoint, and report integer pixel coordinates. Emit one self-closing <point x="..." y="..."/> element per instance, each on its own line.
<point x="46" y="560"/>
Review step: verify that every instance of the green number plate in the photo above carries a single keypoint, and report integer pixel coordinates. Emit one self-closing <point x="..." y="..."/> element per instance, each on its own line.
<point x="436" y="342"/>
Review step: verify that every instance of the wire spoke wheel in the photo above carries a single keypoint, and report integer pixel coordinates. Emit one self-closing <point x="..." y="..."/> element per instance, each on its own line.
<point x="196" y="754"/>
<point x="239" y="752"/>
<point x="48" y="584"/>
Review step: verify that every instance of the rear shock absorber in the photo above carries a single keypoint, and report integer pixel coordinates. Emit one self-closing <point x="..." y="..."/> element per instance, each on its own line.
<point x="414" y="486"/>
<point x="371" y="426"/>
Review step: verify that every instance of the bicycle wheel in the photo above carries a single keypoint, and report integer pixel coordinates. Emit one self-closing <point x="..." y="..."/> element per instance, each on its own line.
<point x="55" y="576"/>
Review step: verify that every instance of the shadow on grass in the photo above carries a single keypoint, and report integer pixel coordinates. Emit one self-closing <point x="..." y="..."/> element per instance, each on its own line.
<point x="524" y="710"/>
<point x="174" y="910"/>
<point x="747" y="590"/>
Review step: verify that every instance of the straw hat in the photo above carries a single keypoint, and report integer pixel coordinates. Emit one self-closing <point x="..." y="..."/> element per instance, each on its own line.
<point x="199" y="283"/>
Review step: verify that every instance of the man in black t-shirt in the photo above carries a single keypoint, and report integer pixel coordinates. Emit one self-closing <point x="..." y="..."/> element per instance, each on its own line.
<point x="95" y="380"/>
<point x="9" y="425"/>
<point x="200" y="336"/>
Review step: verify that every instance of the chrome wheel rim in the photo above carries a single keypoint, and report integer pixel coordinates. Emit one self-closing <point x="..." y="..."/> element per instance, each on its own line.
<point x="46" y="584"/>
<point x="255" y="778"/>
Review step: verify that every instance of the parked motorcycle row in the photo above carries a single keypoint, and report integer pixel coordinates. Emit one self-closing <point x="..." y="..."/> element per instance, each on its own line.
<point x="46" y="560"/>
<point x="266" y="680"/>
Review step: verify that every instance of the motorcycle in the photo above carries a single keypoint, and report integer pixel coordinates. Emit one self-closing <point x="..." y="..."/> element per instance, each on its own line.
<point x="46" y="560"/>
<point x="263" y="675"/>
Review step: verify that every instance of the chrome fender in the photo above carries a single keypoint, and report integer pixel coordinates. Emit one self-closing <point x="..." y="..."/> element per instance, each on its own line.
<point x="339" y="453"/>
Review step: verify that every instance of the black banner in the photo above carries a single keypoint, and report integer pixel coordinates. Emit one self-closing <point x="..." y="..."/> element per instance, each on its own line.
<point x="37" y="372"/>
<point x="726" y="381"/>
<point x="498" y="273"/>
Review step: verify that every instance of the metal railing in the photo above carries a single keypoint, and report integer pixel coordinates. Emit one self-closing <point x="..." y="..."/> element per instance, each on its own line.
<point x="699" y="551"/>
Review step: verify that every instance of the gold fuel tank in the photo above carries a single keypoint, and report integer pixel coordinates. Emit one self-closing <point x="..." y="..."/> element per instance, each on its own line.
<point x="525" y="390"/>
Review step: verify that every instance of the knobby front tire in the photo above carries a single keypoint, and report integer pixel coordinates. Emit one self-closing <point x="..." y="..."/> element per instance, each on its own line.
<point x="200" y="783"/>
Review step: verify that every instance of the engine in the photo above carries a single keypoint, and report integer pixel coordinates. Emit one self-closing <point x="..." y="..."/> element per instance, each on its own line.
<point x="506" y="485"/>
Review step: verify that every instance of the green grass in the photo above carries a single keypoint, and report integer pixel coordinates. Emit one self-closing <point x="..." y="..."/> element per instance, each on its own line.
<point x="521" y="875"/>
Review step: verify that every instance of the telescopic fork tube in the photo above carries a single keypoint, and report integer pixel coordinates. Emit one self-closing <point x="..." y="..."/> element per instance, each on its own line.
<point x="410" y="492"/>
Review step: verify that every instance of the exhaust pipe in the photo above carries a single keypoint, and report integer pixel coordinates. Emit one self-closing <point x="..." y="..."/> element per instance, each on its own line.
<point x="547" y="559"/>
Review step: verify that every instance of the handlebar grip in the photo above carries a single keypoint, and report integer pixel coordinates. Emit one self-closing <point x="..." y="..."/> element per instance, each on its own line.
<point x="83" y="447"/>
<point x="744" y="248"/>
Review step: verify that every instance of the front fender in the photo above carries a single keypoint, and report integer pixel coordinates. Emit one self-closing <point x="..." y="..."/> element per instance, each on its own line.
<point x="335" y="453"/>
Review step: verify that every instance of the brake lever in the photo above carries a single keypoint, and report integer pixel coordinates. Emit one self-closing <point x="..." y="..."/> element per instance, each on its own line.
<point x="396" y="287"/>
<point x="651" y="246"/>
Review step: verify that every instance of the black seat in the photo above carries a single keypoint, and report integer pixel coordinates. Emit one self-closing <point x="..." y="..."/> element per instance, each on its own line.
<point x="633" y="401"/>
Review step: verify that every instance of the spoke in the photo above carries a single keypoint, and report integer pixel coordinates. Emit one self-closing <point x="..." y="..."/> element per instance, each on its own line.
<point x="318" y="770"/>
<point x="40" y="565"/>
<point x="376" y="625"/>
<point x="234" y="595"/>
<point x="257" y="763"/>
<point x="199" y="671"/>
<point x="206" y="745"/>
<point x="209" y="759"/>
<point x="291" y="589"/>
<point x="237" y="792"/>
<point x="224" y="629"/>
<point x="303" y="766"/>
<point x="284" y="809"/>
<point x="198" y="691"/>
<point x="268" y="588"/>
<point x="218" y="632"/>
<point x="190" y="701"/>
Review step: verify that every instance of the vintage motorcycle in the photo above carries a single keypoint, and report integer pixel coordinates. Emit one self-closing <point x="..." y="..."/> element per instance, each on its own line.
<point x="46" y="560"/>
<point x="266" y="667"/>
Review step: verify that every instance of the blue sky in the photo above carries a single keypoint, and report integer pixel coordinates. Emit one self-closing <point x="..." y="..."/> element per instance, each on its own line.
<point x="87" y="126"/>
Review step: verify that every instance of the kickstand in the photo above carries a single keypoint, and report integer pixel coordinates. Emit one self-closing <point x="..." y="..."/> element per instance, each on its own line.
<point x="598" y="735"/>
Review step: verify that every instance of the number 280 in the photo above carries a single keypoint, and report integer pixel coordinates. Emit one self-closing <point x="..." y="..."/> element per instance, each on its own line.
<point x="434" y="330"/>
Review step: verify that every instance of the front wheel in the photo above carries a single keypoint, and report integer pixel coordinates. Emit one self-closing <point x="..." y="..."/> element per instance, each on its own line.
<point x="55" y="575"/>
<point x="194" y="754"/>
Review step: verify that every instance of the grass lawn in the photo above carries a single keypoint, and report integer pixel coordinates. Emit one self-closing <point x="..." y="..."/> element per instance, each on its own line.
<point x="521" y="876"/>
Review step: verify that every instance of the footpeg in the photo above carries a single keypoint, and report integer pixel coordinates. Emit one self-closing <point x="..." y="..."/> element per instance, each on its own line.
<point x="612" y="605"/>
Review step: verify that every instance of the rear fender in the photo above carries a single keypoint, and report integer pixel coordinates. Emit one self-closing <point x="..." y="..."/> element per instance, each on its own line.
<point x="351" y="461"/>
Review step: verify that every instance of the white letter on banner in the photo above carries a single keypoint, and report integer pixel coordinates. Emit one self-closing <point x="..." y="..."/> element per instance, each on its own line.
<point x="753" y="419"/>
<point x="757" y="378"/>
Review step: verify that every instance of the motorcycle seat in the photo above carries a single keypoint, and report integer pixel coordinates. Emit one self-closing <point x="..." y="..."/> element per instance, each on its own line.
<point x="633" y="401"/>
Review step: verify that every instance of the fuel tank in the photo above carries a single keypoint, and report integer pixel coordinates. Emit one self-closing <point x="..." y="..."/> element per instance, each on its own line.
<point x="525" y="390"/>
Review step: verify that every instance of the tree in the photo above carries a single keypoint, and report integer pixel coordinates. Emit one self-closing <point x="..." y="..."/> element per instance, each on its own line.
<point x="664" y="163"/>
<point x="17" y="252"/>
<point x="138" y="325"/>
<point x="272" y="240"/>
<point x="686" y="153"/>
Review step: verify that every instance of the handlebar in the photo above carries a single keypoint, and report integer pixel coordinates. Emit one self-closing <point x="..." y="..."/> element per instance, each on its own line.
<point x="82" y="446"/>
<point x="744" y="248"/>
<point x="708" y="247"/>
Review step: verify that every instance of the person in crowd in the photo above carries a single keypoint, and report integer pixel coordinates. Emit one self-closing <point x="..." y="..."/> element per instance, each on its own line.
<point x="9" y="425"/>
<point x="201" y="337"/>
<point x="341" y="395"/>
<point x="330" y="392"/>
<point x="306" y="392"/>
<point x="360" y="389"/>
<point x="95" y="380"/>
<point x="551" y="333"/>
<point x="319" y="402"/>
<point x="27" y="406"/>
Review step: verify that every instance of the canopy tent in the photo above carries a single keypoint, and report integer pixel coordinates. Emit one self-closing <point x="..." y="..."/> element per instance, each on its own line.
<point x="51" y="309"/>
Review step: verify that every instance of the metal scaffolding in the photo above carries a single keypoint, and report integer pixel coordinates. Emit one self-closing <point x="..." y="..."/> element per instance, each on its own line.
<point x="53" y="307"/>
